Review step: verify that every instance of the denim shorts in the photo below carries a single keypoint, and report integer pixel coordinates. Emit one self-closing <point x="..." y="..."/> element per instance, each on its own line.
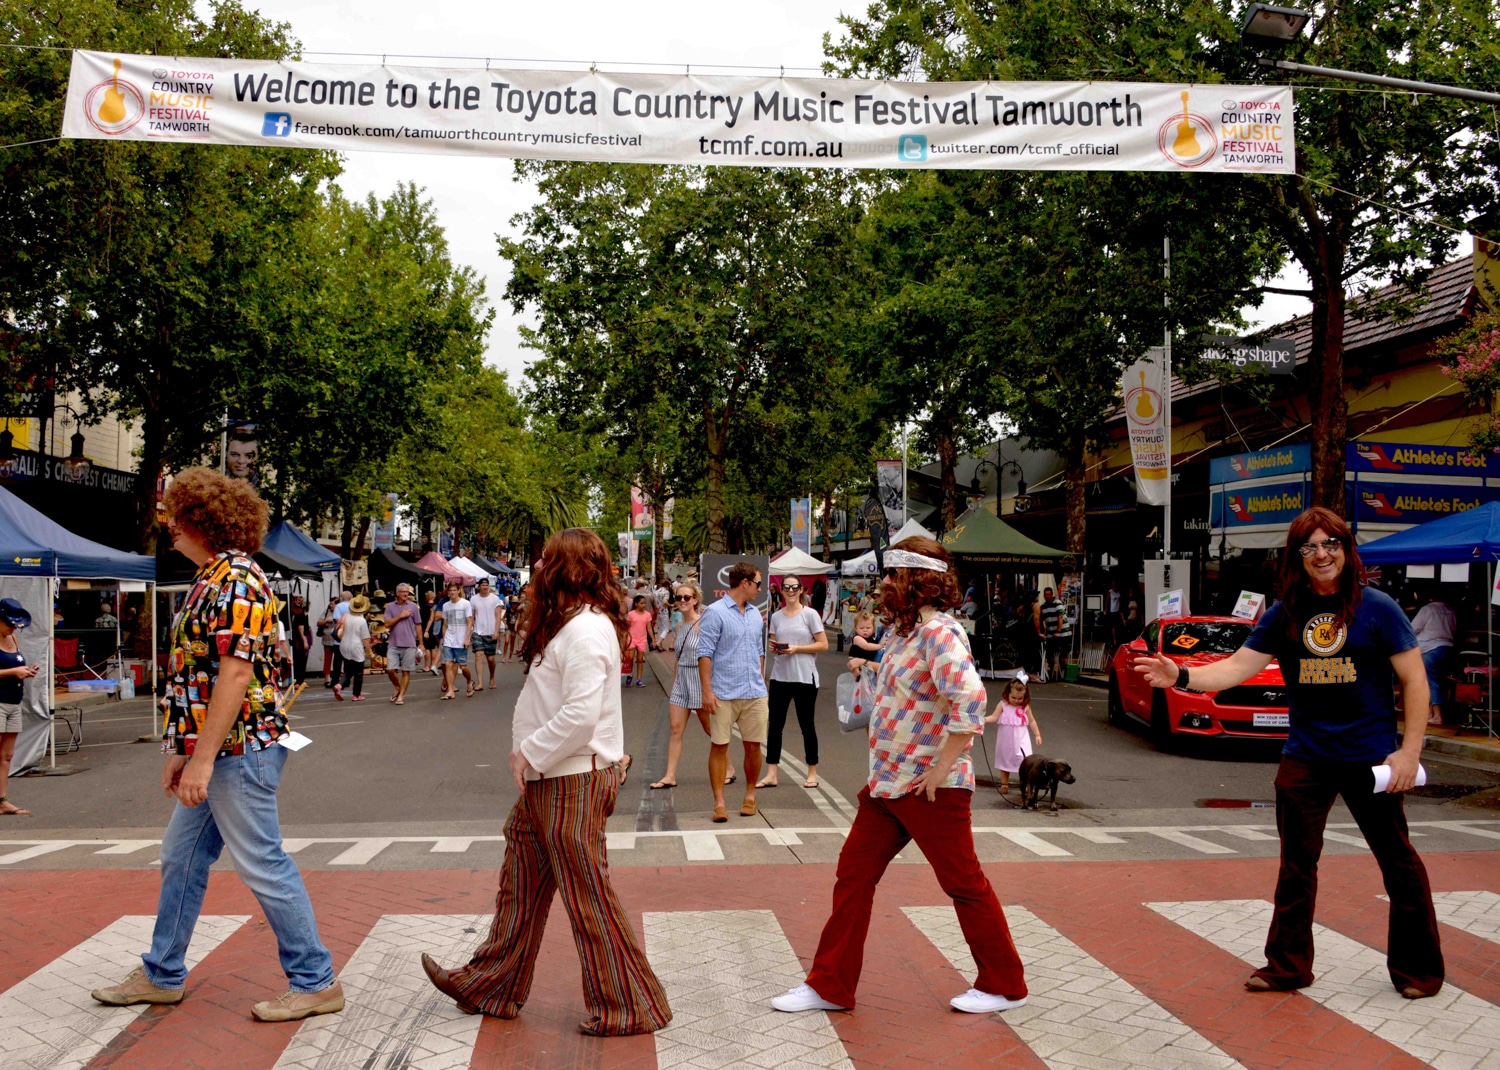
<point x="456" y="654"/>
<point x="483" y="644"/>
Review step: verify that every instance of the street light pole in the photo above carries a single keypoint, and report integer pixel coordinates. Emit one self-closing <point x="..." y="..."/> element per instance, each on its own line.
<point x="1166" y="409"/>
<point x="1406" y="84"/>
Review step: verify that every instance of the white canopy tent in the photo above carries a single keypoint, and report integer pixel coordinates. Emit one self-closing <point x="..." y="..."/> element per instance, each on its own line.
<point x="796" y="562"/>
<point x="468" y="568"/>
<point x="864" y="564"/>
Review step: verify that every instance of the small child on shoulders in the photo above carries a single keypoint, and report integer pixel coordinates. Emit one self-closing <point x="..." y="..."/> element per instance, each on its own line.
<point x="1013" y="718"/>
<point x="864" y="647"/>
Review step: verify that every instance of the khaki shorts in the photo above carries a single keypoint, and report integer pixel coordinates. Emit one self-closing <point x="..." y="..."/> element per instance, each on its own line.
<point x="10" y="717"/>
<point x="751" y="714"/>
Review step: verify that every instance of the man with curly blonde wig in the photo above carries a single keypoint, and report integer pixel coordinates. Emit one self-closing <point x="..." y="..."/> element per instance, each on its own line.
<point x="929" y="706"/>
<point x="223" y="729"/>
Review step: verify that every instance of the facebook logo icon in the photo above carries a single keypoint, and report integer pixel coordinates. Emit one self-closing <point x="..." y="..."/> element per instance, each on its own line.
<point x="277" y="124"/>
<point x="911" y="148"/>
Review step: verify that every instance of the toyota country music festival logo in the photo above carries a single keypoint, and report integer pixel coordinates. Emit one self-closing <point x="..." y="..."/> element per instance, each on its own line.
<point x="1187" y="138"/>
<point x="114" y="105"/>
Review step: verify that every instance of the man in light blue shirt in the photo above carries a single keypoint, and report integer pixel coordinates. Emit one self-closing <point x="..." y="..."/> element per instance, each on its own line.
<point x="731" y="667"/>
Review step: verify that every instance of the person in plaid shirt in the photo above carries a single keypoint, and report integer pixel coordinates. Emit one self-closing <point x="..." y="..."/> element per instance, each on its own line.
<point x="929" y="706"/>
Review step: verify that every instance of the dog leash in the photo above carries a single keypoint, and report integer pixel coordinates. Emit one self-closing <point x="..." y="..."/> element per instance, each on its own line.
<point x="984" y="746"/>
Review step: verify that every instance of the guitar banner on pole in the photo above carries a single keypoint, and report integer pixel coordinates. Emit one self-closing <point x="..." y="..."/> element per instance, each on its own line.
<point x="802" y="524"/>
<point x="1140" y="386"/>
<point x="750" y="121"/>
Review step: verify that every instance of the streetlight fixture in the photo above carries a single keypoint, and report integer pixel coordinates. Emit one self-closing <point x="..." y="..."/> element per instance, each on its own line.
<point x="76" y="460"/>
<point x="1276" y="27"/>
<point x="1022" y="501"/>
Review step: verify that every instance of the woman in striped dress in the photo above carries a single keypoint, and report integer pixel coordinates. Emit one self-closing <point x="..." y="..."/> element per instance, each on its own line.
<point x="687" y="689"/>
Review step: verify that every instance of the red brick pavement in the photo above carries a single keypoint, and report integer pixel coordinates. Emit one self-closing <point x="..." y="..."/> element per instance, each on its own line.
<point x="903" y="1022"/>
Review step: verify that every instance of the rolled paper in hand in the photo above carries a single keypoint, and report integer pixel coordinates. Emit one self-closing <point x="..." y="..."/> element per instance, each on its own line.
<point x="1383" y="777"/>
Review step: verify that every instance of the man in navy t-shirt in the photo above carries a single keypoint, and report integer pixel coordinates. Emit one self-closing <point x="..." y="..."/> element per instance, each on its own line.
<point x="1341" y="647"/>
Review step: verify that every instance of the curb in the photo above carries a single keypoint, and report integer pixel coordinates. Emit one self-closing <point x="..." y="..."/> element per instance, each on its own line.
<point x="1476" y="752"/>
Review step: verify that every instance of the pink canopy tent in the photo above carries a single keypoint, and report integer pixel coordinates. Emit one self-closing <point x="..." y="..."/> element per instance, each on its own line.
<point x="434" y="562"/>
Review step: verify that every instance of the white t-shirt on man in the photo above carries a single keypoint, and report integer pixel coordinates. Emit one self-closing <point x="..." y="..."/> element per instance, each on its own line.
<point x="484" y="606"/>
<point x="456" y="616"/>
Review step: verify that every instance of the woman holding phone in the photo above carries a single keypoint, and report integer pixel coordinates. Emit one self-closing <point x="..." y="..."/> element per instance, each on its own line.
<point x="14" y="672"/>
<point x="797" y="638"/>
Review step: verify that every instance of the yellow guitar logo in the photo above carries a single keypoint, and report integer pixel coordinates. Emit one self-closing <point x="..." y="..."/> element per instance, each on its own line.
<point x="113" y="108"/>
<point x="1143" y="407"/>
<point x="1186" y="144"/>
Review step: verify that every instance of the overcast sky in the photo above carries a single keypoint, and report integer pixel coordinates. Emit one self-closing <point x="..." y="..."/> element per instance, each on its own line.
<point x="475" y="199"/>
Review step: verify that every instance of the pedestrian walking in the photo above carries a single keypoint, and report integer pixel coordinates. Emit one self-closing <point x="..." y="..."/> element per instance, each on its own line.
<point x="485" y="640"/>
<point x="731" y="675"/>
<point x="328" y="635"/>
<point x="639" y="621"/>
<point x="1434" y="626"/>
<point x="301" y="638"/>
<point x="687" y="690"/>
<point x="1015" y="729"/>
<point x="568" y="735"/>
<point x="512" y="620"/>
<point x="224" y="758"/>
<point x="432" y="633"/>
<point x="402" y="619"/>
<point x="14" y="672"/>
<point x="929" y="706"/>
<point x="457" y="617"/>
<point x="797" y="638"/>
<point x="1049" y="626"/>
<point x="1342" y="647"/>
<point x="356" y="648"/>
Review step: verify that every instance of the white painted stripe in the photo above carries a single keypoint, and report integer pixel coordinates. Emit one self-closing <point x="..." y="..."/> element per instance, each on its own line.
<point x="720" y="970"/>
<point x="49" y="1022"/>
<point x="451" y="845"/>
<point x="362" y="852"/>
<point x="393" y="1017"/>
<point x="1182" y="839"/>
<point x="36" y="851"/>
<point x="1033" y="843"/>
<point x="1464" y="826"/>
<point x="1450" y="1029"/>
<point x="1093" y="836"/>
<point x="1079" y="1012"/>
<point x="702" y="847"/>
<point x="1476" y="913"/>
<point x="1344" y="837"/>
<point x="126" y="847"/>
<point x="1244" y="832"/>
<point x="619" y="841"/>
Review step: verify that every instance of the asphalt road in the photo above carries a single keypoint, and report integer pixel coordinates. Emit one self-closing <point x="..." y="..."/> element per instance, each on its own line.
<point x="442" y="765"/>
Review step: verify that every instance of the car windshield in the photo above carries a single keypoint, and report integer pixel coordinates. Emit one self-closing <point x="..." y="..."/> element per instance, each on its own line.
<point x="1204" y="637"/>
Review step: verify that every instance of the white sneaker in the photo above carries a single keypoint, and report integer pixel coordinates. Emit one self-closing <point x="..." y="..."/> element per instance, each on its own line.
<point x="803" y="998"/>
<point x="976" y="1002"/>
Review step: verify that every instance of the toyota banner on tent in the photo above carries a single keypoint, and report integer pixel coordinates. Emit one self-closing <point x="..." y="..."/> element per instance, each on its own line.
<point x="681" y="119"/>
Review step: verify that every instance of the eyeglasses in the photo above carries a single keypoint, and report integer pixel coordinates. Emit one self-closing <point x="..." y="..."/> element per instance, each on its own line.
<point x="1329" y="546"/>
<point x="758" y="584"/>
<point x="888" y="573"/>
<point x="790" y="587"/>
<point x="683" y="598"/>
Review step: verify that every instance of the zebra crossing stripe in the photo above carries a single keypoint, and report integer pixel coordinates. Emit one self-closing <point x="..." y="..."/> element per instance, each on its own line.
<point x="720" y="969"/>
<point x="51" y="1023"/>
<point x="393" y="1017"/>
<point x="1079" y="1012"/>
<point x="1476" y="913"/>
<point x="1452" y="1028"/>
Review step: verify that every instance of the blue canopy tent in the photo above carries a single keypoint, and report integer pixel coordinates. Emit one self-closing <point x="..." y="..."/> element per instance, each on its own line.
<point x="287" y="541"/>
<point x="1473" y="535"/>
<point x="35" y="552"/>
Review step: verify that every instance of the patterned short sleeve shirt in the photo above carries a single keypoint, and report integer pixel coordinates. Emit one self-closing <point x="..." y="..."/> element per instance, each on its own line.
<point x="230" y="612"/>
<point x="927" y="687"/>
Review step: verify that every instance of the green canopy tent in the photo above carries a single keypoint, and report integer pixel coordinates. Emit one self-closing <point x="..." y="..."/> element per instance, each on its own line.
<point x="980" y="541"/>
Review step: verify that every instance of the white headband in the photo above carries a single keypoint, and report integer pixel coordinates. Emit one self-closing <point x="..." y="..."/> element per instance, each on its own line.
<point x="907" y="559"/>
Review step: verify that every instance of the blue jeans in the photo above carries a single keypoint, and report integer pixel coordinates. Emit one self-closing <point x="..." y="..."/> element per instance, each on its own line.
<point x="1433" y="660"/>
<point x="240" y="813"/>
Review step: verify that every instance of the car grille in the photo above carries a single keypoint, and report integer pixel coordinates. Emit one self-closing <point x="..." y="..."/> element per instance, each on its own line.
<point x="1270" y="697"/>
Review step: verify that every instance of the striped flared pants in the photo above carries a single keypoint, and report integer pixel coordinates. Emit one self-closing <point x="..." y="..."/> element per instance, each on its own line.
<point x="554" y="841"/>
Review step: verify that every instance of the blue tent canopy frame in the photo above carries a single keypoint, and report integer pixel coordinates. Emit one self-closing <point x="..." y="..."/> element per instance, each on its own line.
<point x="287" y="541"/>
<point x="32" y="544"/>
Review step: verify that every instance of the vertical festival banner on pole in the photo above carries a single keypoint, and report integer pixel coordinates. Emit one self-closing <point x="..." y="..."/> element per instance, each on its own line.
<point x="890" y="482"/>
<point x="802" y="524"/>
<point x="1146" y="420"/>
<point x="666" y="519"/>
<point x="627" y="543"/>
<point x="385" y="527"/>
<point x="641" y="519"/>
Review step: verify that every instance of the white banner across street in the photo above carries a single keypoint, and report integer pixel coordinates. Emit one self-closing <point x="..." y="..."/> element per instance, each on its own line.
<point x="682" y="119"/>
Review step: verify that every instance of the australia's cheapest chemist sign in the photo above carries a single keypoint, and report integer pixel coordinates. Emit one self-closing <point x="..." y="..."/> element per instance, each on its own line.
<point x="682" y="119"/>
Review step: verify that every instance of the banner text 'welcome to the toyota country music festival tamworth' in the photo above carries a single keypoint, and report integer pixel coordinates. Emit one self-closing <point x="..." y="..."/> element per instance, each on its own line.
<point x="682" y="119"/>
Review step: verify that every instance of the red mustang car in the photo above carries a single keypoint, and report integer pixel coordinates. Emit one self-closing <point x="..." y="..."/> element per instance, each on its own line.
<point x="1256" y="709"/>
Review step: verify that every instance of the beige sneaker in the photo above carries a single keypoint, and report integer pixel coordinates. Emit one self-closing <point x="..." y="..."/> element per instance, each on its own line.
<point x="136" y="988"/>
<point x="293" y="1006"/>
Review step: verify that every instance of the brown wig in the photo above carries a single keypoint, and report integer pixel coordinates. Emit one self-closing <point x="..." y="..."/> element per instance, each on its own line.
<point x="223" y="513"/>
<point x="904" y="591"/>
<point x="1296" y="585"/>
<point x="575" y="572"/>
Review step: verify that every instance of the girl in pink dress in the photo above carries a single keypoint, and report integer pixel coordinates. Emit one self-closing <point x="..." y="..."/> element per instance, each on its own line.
<point x="639" y="619"/>
<point x="1013" y="719"/>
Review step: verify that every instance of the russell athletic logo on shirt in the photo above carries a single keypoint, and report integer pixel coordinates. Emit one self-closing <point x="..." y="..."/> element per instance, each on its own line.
<point x="1324" y="635"/>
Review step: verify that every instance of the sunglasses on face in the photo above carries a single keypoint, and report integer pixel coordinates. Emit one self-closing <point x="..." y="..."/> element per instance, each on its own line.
<point x="683" y="598"/>
<point x="1330" y="546"/>
<point x="792" y="587"/>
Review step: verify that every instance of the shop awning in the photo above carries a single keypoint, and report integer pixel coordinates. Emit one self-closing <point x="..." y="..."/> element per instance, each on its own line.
<point x="979" y="537"/>
<point x="1473" y="535"/>
<point x="287" y="541"/>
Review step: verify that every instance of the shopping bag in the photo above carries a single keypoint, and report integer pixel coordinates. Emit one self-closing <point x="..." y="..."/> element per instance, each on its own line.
<point x="853" y="703"/>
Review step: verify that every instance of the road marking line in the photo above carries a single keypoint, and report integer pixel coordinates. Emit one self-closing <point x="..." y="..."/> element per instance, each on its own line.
<point x="1182" y="839"/>
<point x="49" y="1020"/>
<point x="451" y="845"/>
<point x="1094" y="836"/>
<point x="702" y="847"/>
<point x="720" y="969"/>
<point x="1033" y="843"/>
<point x="1245" y="832"/>
<point x="1451" y="1028"/>
<point x="1476" y="913"/>
<point x="619" y="841"/>
<point x="36" y="851"/>
<point x="394" y="1017"/>
<point x="361" y="853"/>
<point x="126" y="847"/>
<point x="1079" y="1011"/>
<point x="1344" y="837"/>
<point x="1463" y="826"/>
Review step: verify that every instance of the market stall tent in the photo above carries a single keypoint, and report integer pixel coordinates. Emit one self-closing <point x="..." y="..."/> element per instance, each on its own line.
<point x="795" y="562"/>
<point x="979" y="537"/>
<point x="463" y="564"/>
<point x="388" y="568"/>
<point x="287" y="541"/>
<point x="35" y="552"/>
<point x="435" y="562"/>
<point x="865" y="564"/>
<point x="498" y="567"/>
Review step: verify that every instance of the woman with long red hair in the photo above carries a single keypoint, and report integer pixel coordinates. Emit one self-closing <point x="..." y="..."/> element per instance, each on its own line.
<point x="568" y="743"/>
<point x="1341" y="646"/>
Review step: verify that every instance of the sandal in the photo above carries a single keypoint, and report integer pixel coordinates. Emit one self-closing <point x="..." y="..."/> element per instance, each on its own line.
<point x="470" y="694"/>
<point x="447" y="697"/>
<point x="807" y="784"/>
<point x="766" y="784"/>
<point x="731" y="778"/>
<point x="14" y="810"/>
<point x="663" y="784"/>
